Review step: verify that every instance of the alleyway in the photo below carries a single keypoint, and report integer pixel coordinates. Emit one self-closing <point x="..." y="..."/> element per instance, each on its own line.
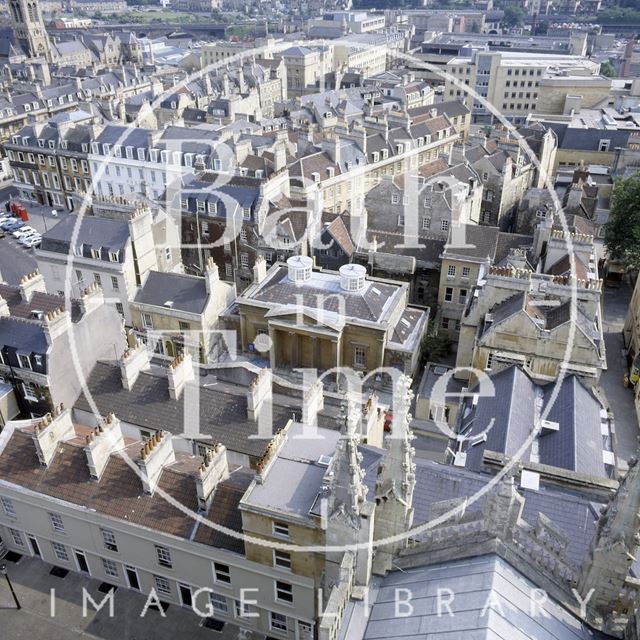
<point x="616" y="302"/>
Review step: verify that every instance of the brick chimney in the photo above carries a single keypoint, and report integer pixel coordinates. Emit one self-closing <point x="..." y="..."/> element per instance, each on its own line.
<point x="179" y="373"/>
<point x="51" y="431"/>
<point x="213" y="470"/>
<point x="260" y="391"/>
<point x="91" y="298"/>
<point x="31" y="283"/>
<point x="104" y="440"/>
<point x="156" y="453"/>
<point x="211" y="276"/>
<point x="56" y="323"/>
<point x="133" y="361"/>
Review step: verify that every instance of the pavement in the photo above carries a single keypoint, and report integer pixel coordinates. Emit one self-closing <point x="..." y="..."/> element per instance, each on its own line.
<point x="618" y="397"/>
<point x="32" y="583"/>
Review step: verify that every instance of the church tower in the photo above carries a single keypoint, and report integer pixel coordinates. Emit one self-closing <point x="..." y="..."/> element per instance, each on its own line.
<point x="605" y="574"/>
<point x="349" y="516"/>
<point x="29" y="28"/>
<point x="396" y="481"/>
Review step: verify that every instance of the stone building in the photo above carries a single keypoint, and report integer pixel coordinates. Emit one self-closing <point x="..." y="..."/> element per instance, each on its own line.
<point x="327" y="320"/>
<point x="464" y="259"/>
<point x="174" y="312"/>
<point x="516" y="314"/>
<point x="114" y="252"/>
<point x="46" y="349"/>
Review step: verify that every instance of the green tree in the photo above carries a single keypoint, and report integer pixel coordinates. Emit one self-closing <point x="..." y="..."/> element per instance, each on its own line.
<point x="434" y="346"/>
<point x="513" y="17"/>
<point x="622" y="231"/>
<point x="607" y="69"/>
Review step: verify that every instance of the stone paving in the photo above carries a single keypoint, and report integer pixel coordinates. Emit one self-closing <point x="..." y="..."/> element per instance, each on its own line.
<point x="32" y="583"/>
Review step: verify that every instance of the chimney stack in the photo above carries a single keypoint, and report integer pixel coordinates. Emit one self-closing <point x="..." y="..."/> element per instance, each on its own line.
<point x="31" y="283"/>
<point x="133" y="361"/>
<point x="91" y="298"/>
<point x="51" y="431"/>
<point x="259" y="269"/>
<point x="211" y="276"/>
<point x="260" y="391"/>
<point x="56" y="323"/>
<point x="4" y="308"/>
<point x="104" y="440"/>
<point x="279" y="156"/>
<point x="334" y="148"/>
<point x="156" y="453"/>
<point x="179" y="373"/>
<point x="213" y="470"/>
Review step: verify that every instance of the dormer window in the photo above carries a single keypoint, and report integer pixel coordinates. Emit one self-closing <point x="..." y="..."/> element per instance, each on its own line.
<point x="246" y="213"/>
<point x="140" y="154"/>
<point x="130" y="153"/>
<point x="77" y="250"/>
<point x="96" y="254"/>
<point x="316" y="177"/>
<point x="259" y="173"/>
<point x="114" y="256"/>
<point x="212" y="207"/>
<point x="41" y="143"/>
<point x="117" y="151"/>
<point x="52" y="144"/>
<point x="106" y="148"/>
<point x="24" y="360"/>
<point x="200" y="204"/>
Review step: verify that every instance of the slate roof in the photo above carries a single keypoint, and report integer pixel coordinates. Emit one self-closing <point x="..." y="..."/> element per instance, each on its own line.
<point x="222" y="415"/>
<point x="25" y="336"/>
<point x="573" y="512"/>
<point x="491" y="600"/>
<point x="92" y="232"/>
<point x="515" y="406"/>
<point x="186" y="293"/>
<point x="372" y="303"/>
<point x="578" y="444"/>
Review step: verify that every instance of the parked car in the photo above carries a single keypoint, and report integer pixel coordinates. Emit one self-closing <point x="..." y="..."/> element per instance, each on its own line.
<point x="28" y="234"/>
<point x="13" y="225"/>
<point x="24" y="231"/>
<point x="32" y="241"/>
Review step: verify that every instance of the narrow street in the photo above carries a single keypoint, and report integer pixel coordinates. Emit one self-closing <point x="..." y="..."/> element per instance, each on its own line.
<point x="620" y="399"/>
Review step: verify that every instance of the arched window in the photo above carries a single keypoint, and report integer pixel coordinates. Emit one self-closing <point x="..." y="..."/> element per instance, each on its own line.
<point x="31" y="11"/>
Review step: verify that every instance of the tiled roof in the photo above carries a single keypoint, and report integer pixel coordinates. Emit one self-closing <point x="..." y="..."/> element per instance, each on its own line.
<point x="40" y="301"/>
<point x="119" y="492"/>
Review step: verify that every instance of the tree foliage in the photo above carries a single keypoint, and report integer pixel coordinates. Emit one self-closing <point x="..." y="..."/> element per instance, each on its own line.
<point x="607" y="69"/>
<point x="434" y="347"/>
<point x="513" y="17"/>
<point x="622" y="231"/>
